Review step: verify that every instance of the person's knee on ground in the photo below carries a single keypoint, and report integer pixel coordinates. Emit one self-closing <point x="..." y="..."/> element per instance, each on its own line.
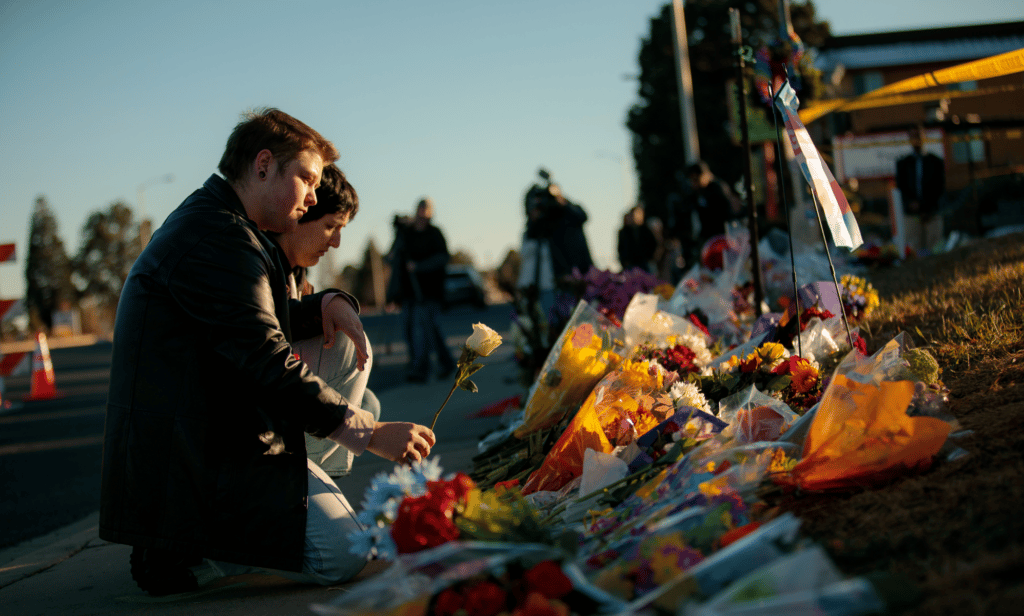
<point x="327" y="558"/>
<point x="330" y="519"/>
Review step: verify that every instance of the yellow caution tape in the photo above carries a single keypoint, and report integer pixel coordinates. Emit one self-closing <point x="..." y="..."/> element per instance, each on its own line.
<point x="817" y="109"/>
<point x="986" y="68"/>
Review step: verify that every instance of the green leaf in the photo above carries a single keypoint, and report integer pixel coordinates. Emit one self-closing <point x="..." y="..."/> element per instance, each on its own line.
<point x="472" y="369"/>
<point x="469" y="386"/>
<point x="730" y="381"/>
<point x="780" y="382"/>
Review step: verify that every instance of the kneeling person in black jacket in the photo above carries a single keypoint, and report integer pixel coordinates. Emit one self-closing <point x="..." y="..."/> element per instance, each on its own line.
<point x="204" y="448"/>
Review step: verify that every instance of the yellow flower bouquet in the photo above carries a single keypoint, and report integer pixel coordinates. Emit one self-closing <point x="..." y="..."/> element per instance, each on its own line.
<point x="625" y="404"/>
<point x="588" y="348"/>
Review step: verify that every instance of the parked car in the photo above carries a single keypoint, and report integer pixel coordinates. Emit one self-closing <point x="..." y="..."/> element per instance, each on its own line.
<point x="463" y="285"/>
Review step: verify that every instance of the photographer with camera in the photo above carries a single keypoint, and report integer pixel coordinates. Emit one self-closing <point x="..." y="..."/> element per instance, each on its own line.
<point x="553" y="217"/>
<point x="553" y="246"/>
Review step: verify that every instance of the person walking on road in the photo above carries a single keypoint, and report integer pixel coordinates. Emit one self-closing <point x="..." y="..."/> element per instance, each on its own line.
<point x="423" y="257"/>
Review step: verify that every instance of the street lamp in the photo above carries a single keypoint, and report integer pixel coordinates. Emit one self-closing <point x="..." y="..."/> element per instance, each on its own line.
<point x="145" y="224"/>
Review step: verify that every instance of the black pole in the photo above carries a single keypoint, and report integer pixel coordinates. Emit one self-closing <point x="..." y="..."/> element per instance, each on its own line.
<point x="785" y="202"/>
<point x="755" y="253"/>
<point x="832" y="268"/>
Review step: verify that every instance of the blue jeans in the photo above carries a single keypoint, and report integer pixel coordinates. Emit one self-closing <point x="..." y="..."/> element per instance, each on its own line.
<point x="423" y="322"/>
<point x="338" y="367"/>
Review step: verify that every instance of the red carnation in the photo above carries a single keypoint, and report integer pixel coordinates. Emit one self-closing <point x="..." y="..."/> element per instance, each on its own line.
<point x="463" y="485"/>
<point x="537" y="604"/>
<point x="485" y="599"/>
<point x="812" y="312"/>
<point x="448" y="603"/>
<point x="422" y="524"/>
<point x="548" y="579"/>
<point x="859" y="344"/>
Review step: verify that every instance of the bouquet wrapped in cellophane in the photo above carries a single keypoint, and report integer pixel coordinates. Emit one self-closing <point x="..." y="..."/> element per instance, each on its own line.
<point x="589" y="347"/>
<point x="626" y="403"/>
<point x="479" y="579"/>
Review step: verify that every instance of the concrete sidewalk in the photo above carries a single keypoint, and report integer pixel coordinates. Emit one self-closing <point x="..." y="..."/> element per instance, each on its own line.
<point x="72" y="572"/>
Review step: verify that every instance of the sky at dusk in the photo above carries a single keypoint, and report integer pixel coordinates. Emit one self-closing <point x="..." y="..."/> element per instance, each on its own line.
<point x="461" y="100"/>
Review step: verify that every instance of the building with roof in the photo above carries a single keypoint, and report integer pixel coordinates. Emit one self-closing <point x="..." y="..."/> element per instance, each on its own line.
<point x="977" y="127"/>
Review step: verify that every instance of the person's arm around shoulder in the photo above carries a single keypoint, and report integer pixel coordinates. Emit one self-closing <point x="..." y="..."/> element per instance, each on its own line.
<point x="340" y="313"/>
<point x="575" y="212"/>
<point x="224" y="283"/>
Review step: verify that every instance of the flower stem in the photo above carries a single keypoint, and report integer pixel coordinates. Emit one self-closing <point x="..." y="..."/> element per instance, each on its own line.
<point x="438" y="413"/>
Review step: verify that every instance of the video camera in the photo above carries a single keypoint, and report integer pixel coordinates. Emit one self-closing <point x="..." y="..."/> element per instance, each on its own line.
<point x="544" y="195"/>
<point x="542" y="206"/>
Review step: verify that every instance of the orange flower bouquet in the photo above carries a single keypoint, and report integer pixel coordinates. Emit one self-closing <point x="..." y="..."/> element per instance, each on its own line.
<point x="869" y="428"/>
<point x="625" y="404"/>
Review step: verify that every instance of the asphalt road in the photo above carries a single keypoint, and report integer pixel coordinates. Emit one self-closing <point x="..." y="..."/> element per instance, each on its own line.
<point x="390" y="357"/>
<point x="50" y="450"/>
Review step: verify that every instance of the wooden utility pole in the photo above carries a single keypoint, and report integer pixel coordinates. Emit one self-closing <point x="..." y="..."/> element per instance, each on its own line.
<point x="682" y="51"/>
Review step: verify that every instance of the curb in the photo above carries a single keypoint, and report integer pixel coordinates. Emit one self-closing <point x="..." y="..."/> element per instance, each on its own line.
<point x="39" y="554"/>
<point x="56" y="342"/>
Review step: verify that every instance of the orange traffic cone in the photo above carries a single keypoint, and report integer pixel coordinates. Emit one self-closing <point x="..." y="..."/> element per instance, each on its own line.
<point x="44" y="386"/>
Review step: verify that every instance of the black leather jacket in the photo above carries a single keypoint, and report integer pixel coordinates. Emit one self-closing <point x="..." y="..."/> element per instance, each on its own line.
<point x="201" y="368"/>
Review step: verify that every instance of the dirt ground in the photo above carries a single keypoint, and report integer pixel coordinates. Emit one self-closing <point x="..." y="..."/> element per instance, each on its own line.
<point x="948" y="540"/>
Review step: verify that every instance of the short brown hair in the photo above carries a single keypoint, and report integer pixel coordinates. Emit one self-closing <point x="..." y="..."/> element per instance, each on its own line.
<point x="274" y="130"/>
<point x="334" y="195"/>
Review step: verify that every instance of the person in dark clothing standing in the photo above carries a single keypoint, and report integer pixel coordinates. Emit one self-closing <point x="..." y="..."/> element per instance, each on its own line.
<point x="921" y="180"/>
<point x="714" y="202"/>
<point x="637" y="243"/>
<point x="555" y="228"/>
<point x="674" y="230"/>
<point x="569" y="248"/>
<point x="423" y="255"/>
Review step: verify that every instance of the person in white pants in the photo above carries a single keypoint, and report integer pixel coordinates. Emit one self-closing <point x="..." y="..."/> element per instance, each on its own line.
<point x="338" y="363"/>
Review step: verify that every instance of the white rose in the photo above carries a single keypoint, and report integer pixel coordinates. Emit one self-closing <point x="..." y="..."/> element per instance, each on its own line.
<point x="484" y="340"/>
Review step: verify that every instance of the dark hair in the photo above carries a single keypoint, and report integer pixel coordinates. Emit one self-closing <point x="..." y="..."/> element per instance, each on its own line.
<point x="334" y="195"/>
<point x="274" y="130"/>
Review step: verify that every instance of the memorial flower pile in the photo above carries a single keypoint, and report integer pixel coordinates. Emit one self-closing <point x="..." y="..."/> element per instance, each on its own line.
<point x="636" y="470"/>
